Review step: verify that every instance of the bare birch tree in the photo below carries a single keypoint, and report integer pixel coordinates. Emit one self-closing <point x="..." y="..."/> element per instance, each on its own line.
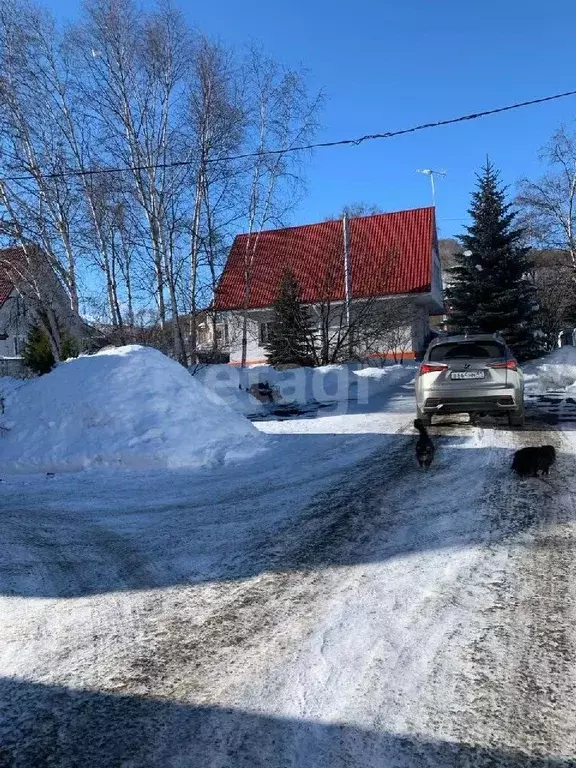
<point x="549" y="204"/>
<point x="281" y="116"/>
<point x="118" y="139"/>
<point x="136" y="66"/>
<point x="217" y="123"/>
<point x="40" y="205"/>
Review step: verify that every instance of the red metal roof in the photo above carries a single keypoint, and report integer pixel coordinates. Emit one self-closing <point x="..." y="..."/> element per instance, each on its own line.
<point x="8" y="256"/>
<point x="6" y="289"/>
<point x="390" y="253"/>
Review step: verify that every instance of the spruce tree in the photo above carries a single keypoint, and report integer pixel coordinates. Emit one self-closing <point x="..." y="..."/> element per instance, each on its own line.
<point x="491" y="291"/>
<point x="289" y="336"/>
<point x="37" y="353"/>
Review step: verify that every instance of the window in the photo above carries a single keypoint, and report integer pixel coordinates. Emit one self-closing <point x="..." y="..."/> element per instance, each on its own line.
<point x="16" y="346"/>
<point x="264" y="333"/>
<point x="222" y="334"/>
<point x="482" y="350"/>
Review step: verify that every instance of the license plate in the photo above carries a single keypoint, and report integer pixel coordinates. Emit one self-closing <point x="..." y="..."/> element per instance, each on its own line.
<point x="467" y="374"/>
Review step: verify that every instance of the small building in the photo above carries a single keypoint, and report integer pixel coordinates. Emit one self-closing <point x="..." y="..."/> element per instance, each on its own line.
<point x="23" y="288"/>
<point x="212" y="342"/>
<point x="374" y="279"/>
<point x="13" y="325"/>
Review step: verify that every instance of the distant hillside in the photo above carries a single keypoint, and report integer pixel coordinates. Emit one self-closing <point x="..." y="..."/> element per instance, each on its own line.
<point x="542" y="257"/>
<point x="448" y="248"/>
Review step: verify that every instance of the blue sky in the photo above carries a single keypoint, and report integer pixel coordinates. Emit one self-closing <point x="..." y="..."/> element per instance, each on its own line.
<point x="385" y="66"/>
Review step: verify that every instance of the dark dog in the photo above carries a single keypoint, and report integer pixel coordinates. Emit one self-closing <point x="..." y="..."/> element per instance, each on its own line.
<point x="424" y="446"/>
<point x="527" y="462"/>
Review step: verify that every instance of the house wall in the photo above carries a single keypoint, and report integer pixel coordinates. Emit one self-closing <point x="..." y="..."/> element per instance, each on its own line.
<point x="14" y="323"/>
<point x="420" y="330"/>
<point x="437" y="286"/>
<point x="255" y="352"/>
<point x="205" y="335"/>
<point x="16" y="316"/>
<point x="46" y="290"/>
<point x="406" y="341"/>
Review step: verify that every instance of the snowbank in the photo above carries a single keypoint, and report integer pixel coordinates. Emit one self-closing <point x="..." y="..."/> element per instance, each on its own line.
<point x="8" y="385"/>
<point x="556" y="370"/>
<point x="326" y="384"/>
<point x="126" y="407"/>
<point x="222" y="384"/>
<point x="381" y="379"/>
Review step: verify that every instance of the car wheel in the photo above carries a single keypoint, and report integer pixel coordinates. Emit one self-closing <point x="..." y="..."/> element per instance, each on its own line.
<point x="516" y="419"/>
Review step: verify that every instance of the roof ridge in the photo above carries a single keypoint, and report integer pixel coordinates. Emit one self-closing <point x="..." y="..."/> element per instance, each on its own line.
<point x="333" y="221"/>
<point x="385" y="213"/>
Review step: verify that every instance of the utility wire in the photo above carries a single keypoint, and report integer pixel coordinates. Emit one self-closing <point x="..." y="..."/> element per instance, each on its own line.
<point x="302" y="148"/>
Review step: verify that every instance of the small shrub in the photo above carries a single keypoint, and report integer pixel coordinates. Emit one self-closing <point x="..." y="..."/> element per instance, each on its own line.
<point x="37" y="353"/>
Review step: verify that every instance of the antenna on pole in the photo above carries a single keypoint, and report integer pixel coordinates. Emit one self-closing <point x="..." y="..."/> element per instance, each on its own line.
<point x="431" y="173"/>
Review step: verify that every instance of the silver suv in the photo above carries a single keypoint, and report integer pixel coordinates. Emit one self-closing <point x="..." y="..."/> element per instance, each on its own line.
<point x="470" y="374"/>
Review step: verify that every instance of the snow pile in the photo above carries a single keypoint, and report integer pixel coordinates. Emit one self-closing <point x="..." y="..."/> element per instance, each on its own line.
<point x="126" y="407"/>
<point x="378" y="380"/>
<point x="556" y="370"/>
<point x="325" y="384"/>
<point x="222" y="384"/>
<point x="8" y="385"/>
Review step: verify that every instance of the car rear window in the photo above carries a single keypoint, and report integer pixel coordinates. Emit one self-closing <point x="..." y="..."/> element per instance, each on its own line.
<point x="458" y="351"/>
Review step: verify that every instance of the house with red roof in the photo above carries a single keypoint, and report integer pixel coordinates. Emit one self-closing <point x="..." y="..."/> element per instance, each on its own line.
<point x="26" y="282"/>
<point x="384" y="266"/>
<point x="14" y="321"/>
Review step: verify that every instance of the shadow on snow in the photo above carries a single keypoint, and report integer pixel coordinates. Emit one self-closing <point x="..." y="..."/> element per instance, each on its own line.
<point x="45" y="725"/>
<point x="205" y="531"/>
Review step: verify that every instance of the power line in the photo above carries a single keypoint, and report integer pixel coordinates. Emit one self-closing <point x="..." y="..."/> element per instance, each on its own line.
<point x="301" y="148"/>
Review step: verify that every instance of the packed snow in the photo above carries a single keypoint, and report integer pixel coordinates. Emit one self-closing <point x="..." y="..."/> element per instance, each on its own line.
<point x="222" y="384"/>
<point x="327" y="604"/>
<point x="9" y="384"/>
<point x="327" y="384"/>
<point x="126" y="407"/>
<point x="556" y="370"/>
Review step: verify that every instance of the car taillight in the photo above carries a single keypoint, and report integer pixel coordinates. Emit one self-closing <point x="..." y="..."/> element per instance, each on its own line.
<point x="511" y="364"/>
<point x="427" y="368"/>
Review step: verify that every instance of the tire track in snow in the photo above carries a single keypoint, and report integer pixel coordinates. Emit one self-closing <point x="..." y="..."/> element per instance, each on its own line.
<point x="259" y="618"/>
<point x="378" y="606"/>
<point x="376" y="666"/>
<point x="515" y="687"/>
<point x="374" y="517"/>
<point x="405" y="620"/>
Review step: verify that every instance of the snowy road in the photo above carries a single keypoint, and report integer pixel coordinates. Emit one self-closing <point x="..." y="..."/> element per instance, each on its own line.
<point x="330" y="605"/>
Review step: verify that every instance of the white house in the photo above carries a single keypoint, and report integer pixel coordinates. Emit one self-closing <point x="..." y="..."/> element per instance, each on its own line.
<point x="386" y="264"/>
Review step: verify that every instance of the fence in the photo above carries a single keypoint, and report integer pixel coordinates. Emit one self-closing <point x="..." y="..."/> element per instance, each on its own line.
<point x="14" y="367"/>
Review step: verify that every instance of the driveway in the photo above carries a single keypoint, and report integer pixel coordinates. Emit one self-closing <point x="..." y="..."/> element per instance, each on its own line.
<point x="328" y="605"/>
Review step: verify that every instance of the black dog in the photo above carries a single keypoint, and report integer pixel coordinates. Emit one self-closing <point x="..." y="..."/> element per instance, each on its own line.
<point x="527" y="462"/>
<point x="424" y="446"/>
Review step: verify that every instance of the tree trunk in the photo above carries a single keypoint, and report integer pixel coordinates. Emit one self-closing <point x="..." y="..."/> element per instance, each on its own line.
<point x="177" y="338"/>
<point x="160" y="288"/>
<point x="194" y="252"/>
